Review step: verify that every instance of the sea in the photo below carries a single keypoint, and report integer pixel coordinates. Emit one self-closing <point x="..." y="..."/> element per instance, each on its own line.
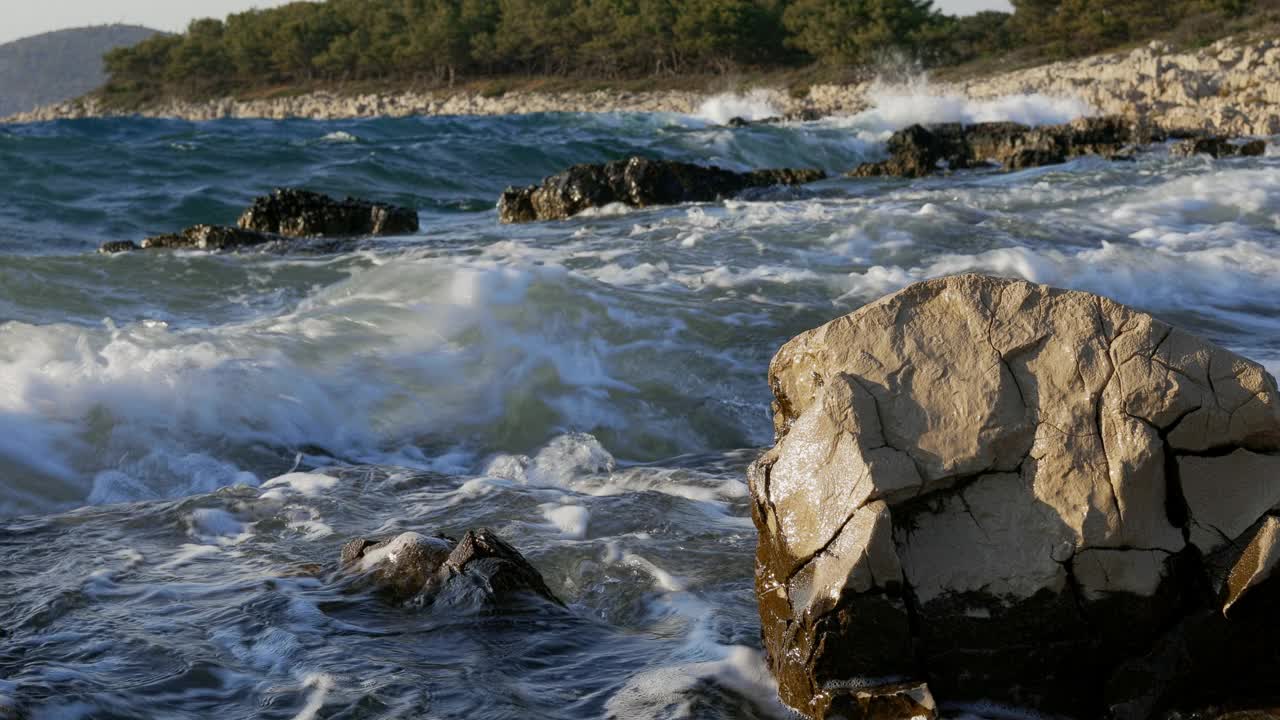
<point x="188" y="438"/>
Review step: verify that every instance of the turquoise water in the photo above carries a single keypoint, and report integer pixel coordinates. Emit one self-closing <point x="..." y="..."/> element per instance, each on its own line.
<point x="591" y="389"/>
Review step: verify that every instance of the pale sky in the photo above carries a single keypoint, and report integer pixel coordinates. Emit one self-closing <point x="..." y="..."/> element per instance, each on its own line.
<point x="32" y="17"/>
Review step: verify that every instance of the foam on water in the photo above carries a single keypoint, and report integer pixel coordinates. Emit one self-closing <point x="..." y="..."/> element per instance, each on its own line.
<point x="757" y="104"/>
<point x="592" y="390"/>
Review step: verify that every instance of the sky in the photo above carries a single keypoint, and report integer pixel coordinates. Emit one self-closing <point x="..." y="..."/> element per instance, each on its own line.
<point x="32" y="17"/>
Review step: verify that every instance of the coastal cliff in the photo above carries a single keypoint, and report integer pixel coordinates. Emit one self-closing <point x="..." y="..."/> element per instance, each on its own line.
<point x="1231" y="86"/>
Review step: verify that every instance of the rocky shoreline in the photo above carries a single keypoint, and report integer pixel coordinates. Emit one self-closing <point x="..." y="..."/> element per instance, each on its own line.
<point x="1231" y="87"/>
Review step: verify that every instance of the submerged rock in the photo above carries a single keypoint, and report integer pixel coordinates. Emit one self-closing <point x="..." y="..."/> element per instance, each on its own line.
<point x="304" y="214"/>
<point x="118" y="246"/>
<point x="204" y="237"/>
<point x="921" y="150"/>
<point x="282" y="215"/>
<point x="637" y="182"/>
<point x="481" y="569"/>
<point x="1018" y="494"/>
<point x="1219" y="147"/>
<point x="196" y="237"/>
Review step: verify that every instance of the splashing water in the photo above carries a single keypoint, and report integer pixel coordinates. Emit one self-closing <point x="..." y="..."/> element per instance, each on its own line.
<point x="190" y="438"/>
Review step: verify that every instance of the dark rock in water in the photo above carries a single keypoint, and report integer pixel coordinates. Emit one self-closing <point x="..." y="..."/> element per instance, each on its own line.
<point x="481" y="569"/>
<point x="1076" y="514"/>
<point x="207" y="237"/>
<point x="921" y="150"/>
<point x="803" y="115"/>
<point x="118" y="246"/>
<point x="1219" y="147"/>
<point x="303" y="214"/>
<point x="637" y="182"/>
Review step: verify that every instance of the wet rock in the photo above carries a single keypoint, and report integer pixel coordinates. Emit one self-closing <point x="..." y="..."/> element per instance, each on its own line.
<point x="208" y="237"/>
<point x="118" y="246"/>
<point x="302" y="214"/>
<point x="906" y="701"/>
<point x="921" y="150"/>
<point x="1020" y="494"/>
<point x="481" y="569"/>
<point x="1219" y="147"/>
<point x="637" y="182"/>
<point x="804" y="115"/>
<point x="738" y="122"/>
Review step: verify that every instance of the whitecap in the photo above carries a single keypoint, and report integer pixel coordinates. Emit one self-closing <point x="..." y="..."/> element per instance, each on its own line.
<point x="757" y="104"/>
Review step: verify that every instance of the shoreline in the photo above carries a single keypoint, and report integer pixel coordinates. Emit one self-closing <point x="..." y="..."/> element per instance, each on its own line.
<point x="1230" y="87"/>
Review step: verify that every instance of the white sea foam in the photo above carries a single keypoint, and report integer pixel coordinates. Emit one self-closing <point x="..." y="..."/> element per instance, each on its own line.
<point x="340" y="136"/>
<point x="309" y="484"/>
<point x="320" y="685"/>
<point x="898" y="105"/>
<point x="664" y="692"/>
<point x="756" y="104"/>
<point x="570" y="520"/>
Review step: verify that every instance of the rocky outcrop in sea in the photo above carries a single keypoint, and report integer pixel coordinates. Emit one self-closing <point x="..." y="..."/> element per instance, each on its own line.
<point x="637" y="182"/>
<point x="921" y="150"/>
<point x="989" y="490"/>
<point x="285" y="214"/>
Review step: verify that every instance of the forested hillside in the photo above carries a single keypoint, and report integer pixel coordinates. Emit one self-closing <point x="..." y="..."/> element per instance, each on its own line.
<point x="438" y="42"/>
<point x="59" y="65"/>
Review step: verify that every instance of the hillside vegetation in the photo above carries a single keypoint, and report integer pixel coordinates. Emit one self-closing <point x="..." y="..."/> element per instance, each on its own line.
<point x="439" y="42"/>
<point x="60" y="65"/>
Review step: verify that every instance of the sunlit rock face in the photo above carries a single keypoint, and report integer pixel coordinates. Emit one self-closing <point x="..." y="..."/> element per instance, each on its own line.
<point x="1020" y="494"/>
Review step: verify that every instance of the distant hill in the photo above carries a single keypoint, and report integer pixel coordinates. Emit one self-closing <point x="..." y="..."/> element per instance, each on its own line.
<point x="60" y="65"/>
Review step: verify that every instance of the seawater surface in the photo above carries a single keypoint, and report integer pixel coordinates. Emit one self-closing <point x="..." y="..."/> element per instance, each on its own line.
<point x="185" y="436"/>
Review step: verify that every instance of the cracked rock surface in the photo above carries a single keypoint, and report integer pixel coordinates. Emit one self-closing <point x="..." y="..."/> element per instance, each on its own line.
<point x="1020" y="494"/>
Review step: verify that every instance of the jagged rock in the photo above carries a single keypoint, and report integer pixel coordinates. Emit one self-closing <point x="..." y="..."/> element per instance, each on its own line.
<point x="118" y="246"/>
<point x="480" y="569"/>
<point x="204" y="237"/>
<point x="919" y="150"/>
<point x="1020" y="494"/>
<point x="1219" y="147"/>
<point x="303" y="214"/>
<point x="637" y="182"/>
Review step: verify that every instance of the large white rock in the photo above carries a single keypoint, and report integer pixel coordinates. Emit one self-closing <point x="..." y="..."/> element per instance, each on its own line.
<point x="1021" y="480"/>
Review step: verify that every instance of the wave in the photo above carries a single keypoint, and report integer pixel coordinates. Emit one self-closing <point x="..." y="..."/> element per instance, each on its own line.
<point x="896" y="105"/>
<point x="757" y="104"/>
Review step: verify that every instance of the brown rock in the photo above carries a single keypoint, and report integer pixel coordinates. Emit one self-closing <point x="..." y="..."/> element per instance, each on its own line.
<point x="921" y="150"/>
<point x="637" y="182"/>
<point x="208" y="237"/>
<point x="480" y="569"/>
<point x="302" y="214"/>
<point x="1219" y="147"/>
<point x="992" y="485"/>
